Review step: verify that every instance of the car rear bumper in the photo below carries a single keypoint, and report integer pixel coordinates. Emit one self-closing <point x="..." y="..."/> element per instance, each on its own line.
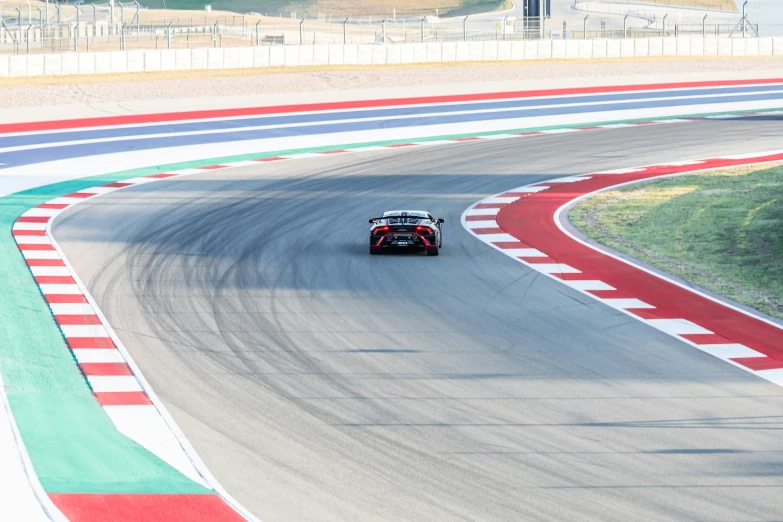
<point x="400" y="248"/>
<point x="402" y="241"/>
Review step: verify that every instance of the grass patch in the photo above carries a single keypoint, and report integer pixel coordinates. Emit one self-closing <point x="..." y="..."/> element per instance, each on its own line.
<point x="721" y="230"/>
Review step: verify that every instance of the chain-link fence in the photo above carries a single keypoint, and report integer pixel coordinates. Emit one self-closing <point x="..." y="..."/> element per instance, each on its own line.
<point x="206" y="31"/>
<point x="136" y="29"/>
<point x="671" y="30"/>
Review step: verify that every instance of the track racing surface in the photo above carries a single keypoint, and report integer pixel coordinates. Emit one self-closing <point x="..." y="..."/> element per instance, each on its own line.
<point x="318" y="382"/>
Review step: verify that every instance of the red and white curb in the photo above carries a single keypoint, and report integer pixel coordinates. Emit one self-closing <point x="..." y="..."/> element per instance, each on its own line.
<point x="524" y="223"/>
<point x="110" y="372"/>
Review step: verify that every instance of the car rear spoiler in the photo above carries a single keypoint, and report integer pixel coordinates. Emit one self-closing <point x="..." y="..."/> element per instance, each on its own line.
<point x="375" y="219"/>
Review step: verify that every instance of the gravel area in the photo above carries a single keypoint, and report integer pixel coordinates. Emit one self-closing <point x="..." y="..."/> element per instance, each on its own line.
<point x="21" y="92"/>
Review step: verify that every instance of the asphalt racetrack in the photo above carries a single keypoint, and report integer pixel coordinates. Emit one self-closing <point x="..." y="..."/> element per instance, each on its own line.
<point x="318" y="382"/>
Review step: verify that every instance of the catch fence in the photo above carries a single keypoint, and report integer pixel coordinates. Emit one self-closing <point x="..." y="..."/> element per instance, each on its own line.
<point x="139" y="32"/>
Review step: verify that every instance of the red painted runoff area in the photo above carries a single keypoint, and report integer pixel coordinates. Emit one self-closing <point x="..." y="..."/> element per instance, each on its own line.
<point x="531" y="220"/>
<point x="144" y="508"/>
<point x="169" y="117"/>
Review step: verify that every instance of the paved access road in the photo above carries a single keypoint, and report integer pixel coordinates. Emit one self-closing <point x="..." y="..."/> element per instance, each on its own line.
<point x="320" y="383"/>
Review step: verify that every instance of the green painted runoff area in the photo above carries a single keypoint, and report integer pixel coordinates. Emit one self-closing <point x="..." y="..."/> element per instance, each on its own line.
<point x="73" y="445"/>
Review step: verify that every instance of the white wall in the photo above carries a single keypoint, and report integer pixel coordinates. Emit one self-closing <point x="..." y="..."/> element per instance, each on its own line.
<point x="294" y="55"/>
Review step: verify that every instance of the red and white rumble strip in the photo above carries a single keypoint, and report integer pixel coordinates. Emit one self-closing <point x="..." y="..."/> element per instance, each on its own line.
<point x="525" y="224"/>
<point x="110" y="372"/>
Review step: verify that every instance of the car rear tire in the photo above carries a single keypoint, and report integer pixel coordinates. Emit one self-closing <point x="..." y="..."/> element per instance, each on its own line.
<point x="432" y="251"/>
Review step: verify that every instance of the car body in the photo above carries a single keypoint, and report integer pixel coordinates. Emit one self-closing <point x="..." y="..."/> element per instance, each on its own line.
<point x="406" y="230"/>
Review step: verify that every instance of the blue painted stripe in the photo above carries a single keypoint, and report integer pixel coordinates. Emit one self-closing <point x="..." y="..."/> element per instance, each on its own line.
<point x="205" y="126"/>
<point x="18" y="158"/>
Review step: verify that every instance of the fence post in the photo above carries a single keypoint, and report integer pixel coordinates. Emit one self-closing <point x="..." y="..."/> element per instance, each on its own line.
<point x="122" y="36"/>
<point x="214" y="34"/>
<point x="47" y="15"/>
<point x="76" y="38"/>
<point x="422" y="29"/>
<point x="138" y="6"/>
<point x="19" y="20"/>
<point x="584" y="27"/>
<point x="664" y="24"/>
<point x="29" y="13"/>
<point x="94" y="19"/>
<point x="504" y="27"/>
<point x="625" y="27"/>
<point x="301" y="32"/>
<point x="257" y="32"/>
<point x="40" y="19"/>
<point x="168" y="34"/>
<point x="57" y="6"/>
<point x="27" y="36"/>
<point x="465" y="29"/>
<point x="345" y="31"/>
<point x="383" y="30"/>
<point x="744" y="19"/>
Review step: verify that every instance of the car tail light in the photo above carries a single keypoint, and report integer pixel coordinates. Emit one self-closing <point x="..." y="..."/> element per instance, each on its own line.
<point x="380" y="230"/>
<point x="425" y="230"/>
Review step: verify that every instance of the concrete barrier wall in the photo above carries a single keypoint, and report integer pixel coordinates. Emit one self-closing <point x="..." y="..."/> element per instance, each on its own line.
<point x="361" y="54"/>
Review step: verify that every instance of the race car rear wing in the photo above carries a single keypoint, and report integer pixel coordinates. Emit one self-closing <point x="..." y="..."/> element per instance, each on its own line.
<point x="376" y="219"/>
<point x="373" y="220"/>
